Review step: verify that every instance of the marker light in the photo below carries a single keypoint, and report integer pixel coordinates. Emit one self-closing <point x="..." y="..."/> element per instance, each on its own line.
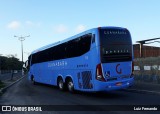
<point x="99" y="74"/>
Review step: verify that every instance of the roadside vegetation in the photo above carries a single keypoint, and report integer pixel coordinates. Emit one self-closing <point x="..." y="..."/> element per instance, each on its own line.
<point x="10" y="62"/>
<point x="1" y="84"/>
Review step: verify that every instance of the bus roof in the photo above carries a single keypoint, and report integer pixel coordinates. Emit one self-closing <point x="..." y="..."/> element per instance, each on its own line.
<point x="73" y="37"/>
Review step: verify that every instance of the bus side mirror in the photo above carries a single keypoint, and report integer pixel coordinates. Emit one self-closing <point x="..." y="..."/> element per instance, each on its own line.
<point x="25" y="65"/>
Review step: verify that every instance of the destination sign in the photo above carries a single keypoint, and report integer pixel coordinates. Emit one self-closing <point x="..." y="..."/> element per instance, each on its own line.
<point x="115" y="32"/>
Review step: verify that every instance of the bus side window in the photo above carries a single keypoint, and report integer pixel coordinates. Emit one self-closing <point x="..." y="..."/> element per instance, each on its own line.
<point x="93" y="38"/>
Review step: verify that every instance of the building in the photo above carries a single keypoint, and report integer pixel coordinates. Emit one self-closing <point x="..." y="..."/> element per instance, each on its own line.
<point x="148" y="51"/>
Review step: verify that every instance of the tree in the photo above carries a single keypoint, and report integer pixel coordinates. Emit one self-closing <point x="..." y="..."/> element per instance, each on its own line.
<point x="10" y="63"/>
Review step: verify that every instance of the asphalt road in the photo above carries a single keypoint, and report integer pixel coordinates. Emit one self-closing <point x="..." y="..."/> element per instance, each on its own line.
<point x="24" y="93"/>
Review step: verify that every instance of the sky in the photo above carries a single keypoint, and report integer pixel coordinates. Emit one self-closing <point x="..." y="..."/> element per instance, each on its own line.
<point x="49" y="21"/>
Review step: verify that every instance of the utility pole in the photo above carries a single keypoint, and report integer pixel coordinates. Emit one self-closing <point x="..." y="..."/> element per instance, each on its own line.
<point x="0" y="63"/>
<point x="21" y="38"/>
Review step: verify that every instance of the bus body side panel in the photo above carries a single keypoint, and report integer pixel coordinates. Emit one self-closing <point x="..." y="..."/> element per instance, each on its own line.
<point x="93" y="59"/>
<point x="36" y="72"/>
<point x="80" y="69"/>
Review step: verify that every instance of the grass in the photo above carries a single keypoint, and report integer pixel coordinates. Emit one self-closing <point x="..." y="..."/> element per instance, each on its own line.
<point x="1" y="84"/>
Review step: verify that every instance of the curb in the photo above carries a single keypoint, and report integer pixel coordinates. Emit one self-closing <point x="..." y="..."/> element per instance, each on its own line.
<point x="142" y="91"/>
<point x="5" y="88"/>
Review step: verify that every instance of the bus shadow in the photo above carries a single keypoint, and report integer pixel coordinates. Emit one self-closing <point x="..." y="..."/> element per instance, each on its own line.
<point x="101" y="95"/>
<point x="45" y="85"/>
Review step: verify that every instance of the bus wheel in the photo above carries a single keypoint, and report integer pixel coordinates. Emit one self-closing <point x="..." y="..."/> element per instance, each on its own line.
<point x="60" y="84"/>
<point x="33" y="80"/>
<point x="70" y="85"/>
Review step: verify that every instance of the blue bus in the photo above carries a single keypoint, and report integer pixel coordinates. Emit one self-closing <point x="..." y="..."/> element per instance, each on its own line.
<point x="99" y="59"/>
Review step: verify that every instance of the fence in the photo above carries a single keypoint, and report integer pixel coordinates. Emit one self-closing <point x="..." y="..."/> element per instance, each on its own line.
<point x="147" y="70"/>
<point x="9" y="71"/>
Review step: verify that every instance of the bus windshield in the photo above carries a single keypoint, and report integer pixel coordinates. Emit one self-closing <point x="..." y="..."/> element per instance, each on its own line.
<point x="115" y="45"/>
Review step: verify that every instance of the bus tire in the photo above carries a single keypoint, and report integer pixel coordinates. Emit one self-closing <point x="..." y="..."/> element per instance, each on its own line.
<point x="70" y="85"/>
<point x="33" y="80"/>
<point x="60" y="83"/>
